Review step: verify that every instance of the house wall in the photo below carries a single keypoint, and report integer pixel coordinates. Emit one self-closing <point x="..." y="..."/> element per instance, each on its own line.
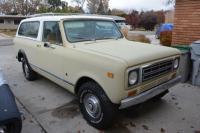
<point x="186" y="22"/>
<point x="9" y="23"/>
<point x="8" y="27"/>
<point x="169" y="16"/>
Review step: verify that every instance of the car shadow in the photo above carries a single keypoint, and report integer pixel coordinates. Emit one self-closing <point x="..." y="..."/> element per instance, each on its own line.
<point x="125" y="118"/>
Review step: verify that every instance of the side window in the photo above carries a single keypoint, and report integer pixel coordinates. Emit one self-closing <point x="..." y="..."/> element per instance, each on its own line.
<point x="29" y="29"/>
<point x="51" y="33"/>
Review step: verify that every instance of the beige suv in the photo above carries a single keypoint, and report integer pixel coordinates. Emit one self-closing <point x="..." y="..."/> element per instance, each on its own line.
<point x="89" y="56"/>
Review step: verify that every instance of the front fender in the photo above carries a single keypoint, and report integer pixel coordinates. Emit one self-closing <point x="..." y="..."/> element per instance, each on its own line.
<point x="112" y="87"/>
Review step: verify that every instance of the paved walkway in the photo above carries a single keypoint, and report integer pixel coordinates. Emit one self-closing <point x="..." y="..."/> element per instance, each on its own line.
<point x="5" y="40"/>
<point x="51" y="109"/>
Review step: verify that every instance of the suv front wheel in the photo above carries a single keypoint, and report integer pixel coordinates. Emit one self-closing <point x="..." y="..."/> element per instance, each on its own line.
<point x="95" y="106"/>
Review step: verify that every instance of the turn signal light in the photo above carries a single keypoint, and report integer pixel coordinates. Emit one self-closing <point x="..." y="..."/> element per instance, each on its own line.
<point x="110" y="75"/>
<point x="132" y="93"/>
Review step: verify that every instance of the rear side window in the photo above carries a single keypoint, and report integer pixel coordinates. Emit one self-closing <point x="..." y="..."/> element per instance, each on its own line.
<point x="29" y="29"/>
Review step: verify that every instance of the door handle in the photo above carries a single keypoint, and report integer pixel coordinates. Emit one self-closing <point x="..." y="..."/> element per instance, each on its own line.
<point x="38" y="45"/>
<point x="47" y="45"/>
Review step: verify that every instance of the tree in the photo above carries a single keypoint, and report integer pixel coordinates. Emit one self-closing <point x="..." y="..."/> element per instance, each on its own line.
<point x="160" y="16"/>
<point x="54" y="3"/>
<point x="92" y="6"/>
<point x="80" y="3"/>
<point x="98" y="6"/>
<point x="105" y="6"/>
<point x="100" y="9"/>
<point x="109" y="12"/>
<point x="148" y="20"/>
<point x="6" y="7"/>
<point x="133" y="19"/>
<point x="24" y="7"/>
<point x="170" y="2"/>
<point x="64" y="4"/>
<point x="117" y="12"/>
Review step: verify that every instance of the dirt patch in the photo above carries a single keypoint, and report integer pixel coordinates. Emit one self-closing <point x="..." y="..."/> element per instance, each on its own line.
<point x="69" y="110"/>
<point x="119" y="127"/>
<point x="10" y="33"/>
<point x="145" y="127"/>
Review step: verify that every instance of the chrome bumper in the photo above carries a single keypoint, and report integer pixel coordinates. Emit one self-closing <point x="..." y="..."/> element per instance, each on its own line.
<point x="149" y="94"/>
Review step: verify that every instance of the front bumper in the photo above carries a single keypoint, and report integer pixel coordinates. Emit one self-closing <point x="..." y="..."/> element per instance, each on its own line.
<point x="148" y="94"/>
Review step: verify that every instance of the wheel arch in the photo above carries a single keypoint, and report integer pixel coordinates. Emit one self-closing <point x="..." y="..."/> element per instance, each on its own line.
<point x="21" y="54"/>
<point x="81" y="81"/>
<point x="85" y="79"/>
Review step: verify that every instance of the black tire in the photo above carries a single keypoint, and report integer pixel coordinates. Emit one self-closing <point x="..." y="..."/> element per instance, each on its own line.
<point x="29" y="74"/>
<point x="159" y="97"/>
<point x="13" y="127"/>
<point x="104" y="119"/>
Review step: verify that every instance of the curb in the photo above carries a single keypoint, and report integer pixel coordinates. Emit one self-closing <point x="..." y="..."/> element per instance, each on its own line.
<point x="6" y="36"/>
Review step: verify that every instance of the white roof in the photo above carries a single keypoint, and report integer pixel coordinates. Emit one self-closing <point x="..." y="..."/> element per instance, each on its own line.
<point x="67" y="17"/>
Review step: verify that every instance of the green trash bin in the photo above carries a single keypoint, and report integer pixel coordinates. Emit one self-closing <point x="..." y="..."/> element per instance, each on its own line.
<point x="185" y="62"/>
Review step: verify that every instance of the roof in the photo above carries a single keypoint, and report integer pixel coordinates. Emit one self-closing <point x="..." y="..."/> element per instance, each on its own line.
<point x="115" y="17"/>
<point x="63" y="17"/>
<point x="12" y="16"/>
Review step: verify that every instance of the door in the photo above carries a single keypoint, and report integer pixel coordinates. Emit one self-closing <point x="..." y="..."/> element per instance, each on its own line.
<point x="50" y="50"/>
<point x="27" y="39"/>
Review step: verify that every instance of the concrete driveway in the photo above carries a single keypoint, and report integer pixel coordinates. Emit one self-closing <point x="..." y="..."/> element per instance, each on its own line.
<point x="51" y="109"/>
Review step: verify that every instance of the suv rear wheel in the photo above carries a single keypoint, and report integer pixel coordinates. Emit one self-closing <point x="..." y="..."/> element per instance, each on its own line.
<point x="29" y="74"/>
<point x="95" y="106"/>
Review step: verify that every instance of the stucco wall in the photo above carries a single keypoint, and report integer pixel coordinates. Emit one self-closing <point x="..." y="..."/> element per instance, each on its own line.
<point x="8" y="26"/>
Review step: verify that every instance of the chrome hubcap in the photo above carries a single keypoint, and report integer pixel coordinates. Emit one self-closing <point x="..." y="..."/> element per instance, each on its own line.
<point x="92" y="105"/>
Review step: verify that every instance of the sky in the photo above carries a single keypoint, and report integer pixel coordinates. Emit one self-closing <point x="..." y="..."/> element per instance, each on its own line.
<point x="137" y="4"/>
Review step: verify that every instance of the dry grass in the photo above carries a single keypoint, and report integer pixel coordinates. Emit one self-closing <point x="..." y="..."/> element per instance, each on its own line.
<point x="8" y="32"/>
<point x="137" y="38"/>
<point x="125" y="32"/>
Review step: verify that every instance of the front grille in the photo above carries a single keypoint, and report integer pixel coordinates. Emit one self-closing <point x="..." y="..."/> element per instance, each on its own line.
<point x="156" y="70"/>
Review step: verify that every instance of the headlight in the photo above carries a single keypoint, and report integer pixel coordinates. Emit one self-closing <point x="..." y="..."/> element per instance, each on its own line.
<point x="176" y="63"/>
<point x="133" y="77"/>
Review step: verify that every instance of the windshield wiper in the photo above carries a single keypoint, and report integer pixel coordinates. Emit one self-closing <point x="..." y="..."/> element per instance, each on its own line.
<point x="82" y="38"/>
<point x="101" y="38"/>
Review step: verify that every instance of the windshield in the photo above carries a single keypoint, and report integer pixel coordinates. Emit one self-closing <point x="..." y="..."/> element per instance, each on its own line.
<point x="88" y="30"/>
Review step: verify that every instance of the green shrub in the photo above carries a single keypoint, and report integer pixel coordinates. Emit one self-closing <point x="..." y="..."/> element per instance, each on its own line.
<point x="166" y="38"/>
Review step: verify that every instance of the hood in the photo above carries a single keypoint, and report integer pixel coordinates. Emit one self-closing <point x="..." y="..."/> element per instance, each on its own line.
<point x="134" y="53"/>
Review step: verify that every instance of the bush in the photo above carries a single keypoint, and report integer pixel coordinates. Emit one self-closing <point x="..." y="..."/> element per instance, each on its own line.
<point x="124" y="31"/>
<point x="138" y="38"/>
<point x="166" y="38"/>
<point x="9" y="32"/>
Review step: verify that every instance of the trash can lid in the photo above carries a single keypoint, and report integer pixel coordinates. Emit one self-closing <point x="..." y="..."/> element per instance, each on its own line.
<point x="182" y="48"/>
<point x="196" y="42"/>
